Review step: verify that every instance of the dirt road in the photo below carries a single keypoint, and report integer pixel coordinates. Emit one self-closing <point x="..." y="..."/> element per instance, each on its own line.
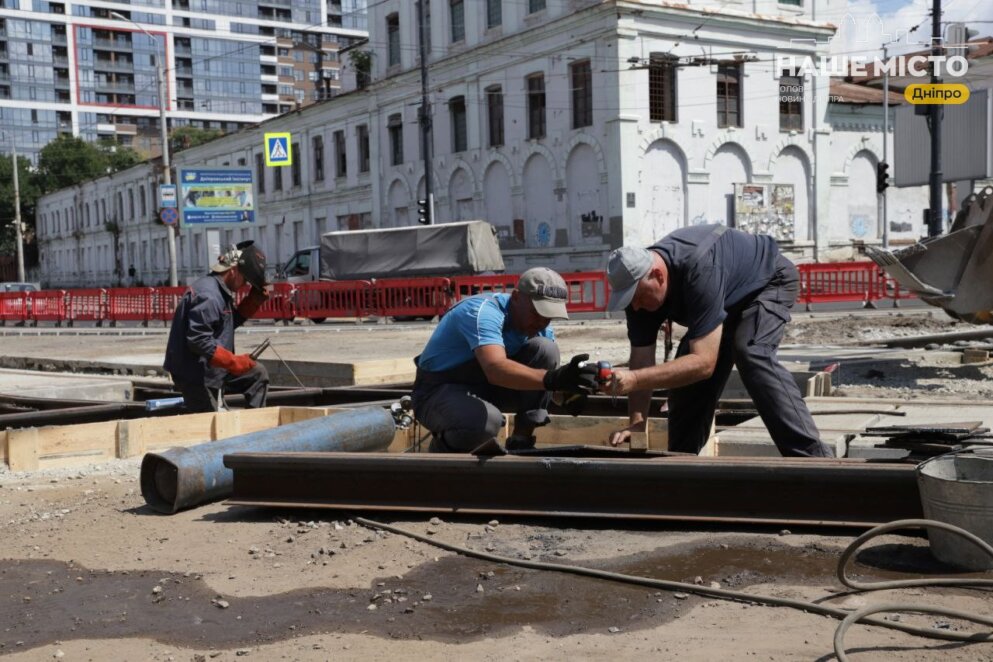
<point x="89" y="571"/>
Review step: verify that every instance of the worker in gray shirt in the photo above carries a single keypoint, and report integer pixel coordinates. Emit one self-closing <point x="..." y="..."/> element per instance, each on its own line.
<point x="733" y="292"/>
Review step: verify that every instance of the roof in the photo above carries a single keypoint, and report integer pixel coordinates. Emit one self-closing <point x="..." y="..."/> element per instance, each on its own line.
<point x="860" y="94"/>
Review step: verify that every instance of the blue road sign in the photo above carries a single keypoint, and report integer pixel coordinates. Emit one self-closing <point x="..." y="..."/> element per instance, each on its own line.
<point x="169" y="215"/>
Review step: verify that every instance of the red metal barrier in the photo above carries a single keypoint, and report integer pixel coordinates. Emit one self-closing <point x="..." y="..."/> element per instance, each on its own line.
<point x="13" y="307"/>
<point x="839" y="282"/>
<point x="588" y="291"/>
<point x="129" y="304"/>
<point x="347" y="298"/>
<point x="164" y="302"/>
<point x="280" y="304"/>
<point x="47" y="306"/>
<point x="86" y="305"/>
<point x="467" y="286"/>
<point x="412" y="297"/>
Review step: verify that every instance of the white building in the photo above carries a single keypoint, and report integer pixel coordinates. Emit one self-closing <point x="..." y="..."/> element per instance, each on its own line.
<point x="574" y="126"/>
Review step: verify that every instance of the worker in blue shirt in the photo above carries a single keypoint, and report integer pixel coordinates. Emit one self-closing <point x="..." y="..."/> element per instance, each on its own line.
<point x="493" y="353"/>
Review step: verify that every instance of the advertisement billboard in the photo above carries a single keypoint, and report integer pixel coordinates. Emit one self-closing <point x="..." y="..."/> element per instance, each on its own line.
<point x="216" y="197"/>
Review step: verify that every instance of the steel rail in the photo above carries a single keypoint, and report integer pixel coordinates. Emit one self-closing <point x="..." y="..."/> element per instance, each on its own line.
<point x="851" y="493"/>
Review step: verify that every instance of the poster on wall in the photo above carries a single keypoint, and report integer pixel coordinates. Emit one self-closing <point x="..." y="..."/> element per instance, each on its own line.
<point x="765" y="209"/>
<point x="216" y="197"/>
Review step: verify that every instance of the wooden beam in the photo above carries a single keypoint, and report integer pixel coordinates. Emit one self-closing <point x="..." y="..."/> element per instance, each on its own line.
<point x="23" y="449"/>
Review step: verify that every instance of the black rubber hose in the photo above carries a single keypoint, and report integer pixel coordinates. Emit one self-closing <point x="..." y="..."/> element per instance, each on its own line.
<point x="848" y="618"/>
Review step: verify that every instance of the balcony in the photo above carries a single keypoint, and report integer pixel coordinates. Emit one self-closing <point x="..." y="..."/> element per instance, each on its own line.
<point x="62" y="82"/>
<point x="183" y="50"/>
<point x="114" y="65"/>
<point x="184" y="72"/>
<point x="58" y="38"/>
<point x="59" y="61"/>
<point x="119" y="88"/>
<point x="112" y="44"/>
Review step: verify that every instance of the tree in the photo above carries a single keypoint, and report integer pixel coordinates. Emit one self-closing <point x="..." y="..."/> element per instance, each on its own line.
<point x="69" y="160"/>
<point x="120" y="158"/>
<point x="29" y="196"/>
<point x="185" y="137"/>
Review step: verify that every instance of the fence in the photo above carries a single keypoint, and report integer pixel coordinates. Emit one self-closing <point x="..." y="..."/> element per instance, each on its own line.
<point x="860" y="282"/>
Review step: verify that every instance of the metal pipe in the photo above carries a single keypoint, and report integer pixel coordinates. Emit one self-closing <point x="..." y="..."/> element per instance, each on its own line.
<point x="184" y="477"/>
<point x="782" y="490"/>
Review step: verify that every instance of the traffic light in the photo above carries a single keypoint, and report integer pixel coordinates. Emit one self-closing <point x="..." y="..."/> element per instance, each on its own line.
<point x="423" y="212"/>
<point x="882" y="176"/>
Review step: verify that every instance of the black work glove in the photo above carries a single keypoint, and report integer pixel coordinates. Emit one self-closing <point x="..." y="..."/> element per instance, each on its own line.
<point x="575" y="403"/>
<point x="571" y="378"/>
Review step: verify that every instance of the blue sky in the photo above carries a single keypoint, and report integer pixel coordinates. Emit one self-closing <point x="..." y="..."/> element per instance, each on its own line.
<point x="865" y="24"/>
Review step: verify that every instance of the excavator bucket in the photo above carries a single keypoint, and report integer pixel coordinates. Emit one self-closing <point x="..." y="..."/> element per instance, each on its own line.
<point x="955" y="271"/>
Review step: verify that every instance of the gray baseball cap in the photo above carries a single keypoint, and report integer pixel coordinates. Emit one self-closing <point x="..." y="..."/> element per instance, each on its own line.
<point x="547" y="291"/>
<point x="625" y="267"/>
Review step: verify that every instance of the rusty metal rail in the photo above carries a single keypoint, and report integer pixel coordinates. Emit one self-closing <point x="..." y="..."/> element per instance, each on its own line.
<point x="850" y="493"/>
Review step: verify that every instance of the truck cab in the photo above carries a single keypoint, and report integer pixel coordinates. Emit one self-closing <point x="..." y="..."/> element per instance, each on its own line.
<point x="303" y="267"/>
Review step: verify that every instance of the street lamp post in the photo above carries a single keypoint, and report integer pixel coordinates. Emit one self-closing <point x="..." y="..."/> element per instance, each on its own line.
<point x="17" y="217"/>
<point x="18" y="228"/>
<point x="166" y="168"/>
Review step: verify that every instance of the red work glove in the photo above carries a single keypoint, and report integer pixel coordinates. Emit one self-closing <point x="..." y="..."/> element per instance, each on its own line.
<point x="251" y="303"/>
<point x="236" y="364"/>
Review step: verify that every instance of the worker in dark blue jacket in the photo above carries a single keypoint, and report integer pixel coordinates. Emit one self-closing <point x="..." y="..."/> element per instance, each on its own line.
<point x="733" y="292"/>
<point x="200" y="352"/>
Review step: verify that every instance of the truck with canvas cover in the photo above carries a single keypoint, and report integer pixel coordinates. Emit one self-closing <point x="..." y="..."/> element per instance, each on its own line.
<point x="449" y="249"/>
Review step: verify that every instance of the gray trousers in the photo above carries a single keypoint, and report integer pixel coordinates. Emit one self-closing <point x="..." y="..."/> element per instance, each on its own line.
<point x="462" y="410"/>
<point x="750" y="339"/>
<point x="254" y="384"/>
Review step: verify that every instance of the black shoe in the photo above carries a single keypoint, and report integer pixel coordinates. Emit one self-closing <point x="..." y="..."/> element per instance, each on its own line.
<point x="520" y="442"/>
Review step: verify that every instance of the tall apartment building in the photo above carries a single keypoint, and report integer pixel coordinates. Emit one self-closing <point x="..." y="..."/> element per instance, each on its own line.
<point x="89" y="68"/>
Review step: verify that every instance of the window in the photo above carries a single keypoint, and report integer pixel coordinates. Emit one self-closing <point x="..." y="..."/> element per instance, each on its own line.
<point x="395" y="127"/>
<point x="340" y="156"/>
<point x="260" y="172"/>
<point x="582" y="94"/>
<point x="536" y="106"/>
<point x="790" y="101"/>
<point x="661" y="88"/>
<point x="393" y="39"/>
<point x="317" y="146"/>
<point x="457" y="8"/>
<point x="729" y="95"/>
<point x="362" y="132"/>
<point x="456" y="108"/>
<point x="142" y="203"/>
<point x="295" y="168"/>
<point x="277" y="179"/>
<point x="494" y="13"/>
<point x="494" y="114"/>
<point x="535" y="6"/>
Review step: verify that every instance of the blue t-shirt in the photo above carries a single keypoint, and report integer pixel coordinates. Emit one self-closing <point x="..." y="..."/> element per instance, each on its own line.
<point x="479" y="320"/>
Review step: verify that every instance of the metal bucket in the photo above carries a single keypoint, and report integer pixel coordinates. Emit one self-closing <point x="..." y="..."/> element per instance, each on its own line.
<point x="957" y="488"/>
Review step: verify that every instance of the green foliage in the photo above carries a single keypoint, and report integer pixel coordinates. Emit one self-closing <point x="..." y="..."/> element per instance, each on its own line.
<point x="69" y="160"/>
<point x="185" y="137"/>
<point x="29" y="196"/>
<point x="362" y="61"/>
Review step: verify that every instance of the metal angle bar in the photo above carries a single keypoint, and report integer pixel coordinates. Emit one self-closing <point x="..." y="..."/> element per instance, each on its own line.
<point x="827" y="492"/>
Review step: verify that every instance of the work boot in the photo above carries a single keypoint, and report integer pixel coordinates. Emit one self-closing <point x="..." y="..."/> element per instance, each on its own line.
<point x="520" y="442"/>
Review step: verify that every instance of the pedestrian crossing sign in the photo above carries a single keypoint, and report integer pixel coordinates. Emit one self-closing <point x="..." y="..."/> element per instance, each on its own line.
<point x="278" y="149"/>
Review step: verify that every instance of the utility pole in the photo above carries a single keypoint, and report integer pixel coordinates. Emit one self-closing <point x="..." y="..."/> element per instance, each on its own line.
<point x="17" y="217"/>
<point x="935" y="223"/>
<point x="424" y="114"/>
<point x="886" y="138"/>
<point x="166" y="172"/>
